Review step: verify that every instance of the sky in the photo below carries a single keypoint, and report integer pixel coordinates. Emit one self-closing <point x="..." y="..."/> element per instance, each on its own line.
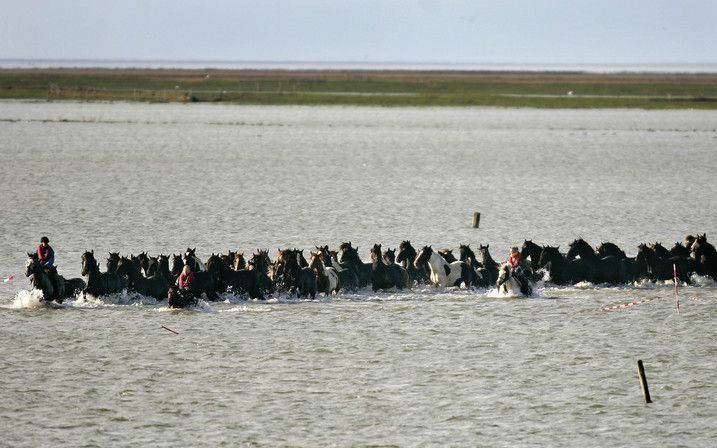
<point x="624" y="32"/>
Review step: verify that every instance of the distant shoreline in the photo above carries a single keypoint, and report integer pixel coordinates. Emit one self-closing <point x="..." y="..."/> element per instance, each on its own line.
<point x="665" y="68"/>
<point x="540" y="89"/>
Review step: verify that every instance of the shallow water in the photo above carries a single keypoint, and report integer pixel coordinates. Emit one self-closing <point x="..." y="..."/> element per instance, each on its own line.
<point x="423" y="367"/>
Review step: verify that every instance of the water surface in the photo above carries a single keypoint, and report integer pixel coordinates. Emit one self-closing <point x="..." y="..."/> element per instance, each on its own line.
<point x="422" y="367"/>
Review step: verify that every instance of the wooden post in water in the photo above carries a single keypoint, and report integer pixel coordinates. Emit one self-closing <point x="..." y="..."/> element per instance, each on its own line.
<point x="643" y="381"/>
<point x="675" y="279"/>
<point x="476" y="220"/>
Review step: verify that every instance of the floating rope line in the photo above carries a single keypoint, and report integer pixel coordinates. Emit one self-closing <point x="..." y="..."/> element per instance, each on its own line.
<point x="622" y="306"/>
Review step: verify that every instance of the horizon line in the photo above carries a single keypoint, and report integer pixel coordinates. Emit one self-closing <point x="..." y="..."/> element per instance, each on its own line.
<point x="289" y="65"/>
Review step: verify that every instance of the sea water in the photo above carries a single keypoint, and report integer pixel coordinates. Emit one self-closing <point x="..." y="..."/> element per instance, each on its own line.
<point x="429" y="366"/>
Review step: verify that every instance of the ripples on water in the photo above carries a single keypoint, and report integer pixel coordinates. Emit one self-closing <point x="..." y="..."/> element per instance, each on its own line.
<point x="426" y="367"/>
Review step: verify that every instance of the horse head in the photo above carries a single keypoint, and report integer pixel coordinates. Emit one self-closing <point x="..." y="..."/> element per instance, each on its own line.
<point x="32" y="265"/>
<point x="580" y="248"/>
<point x="315" y="263"/>
<point x="348" y="253"/>
<point x="389" y="256"/>
<point x="405" y="252"/>
<point x="549" y="254"/>
<point x="376" y="254"/>
<point x="176" y="265"/>
<point x="239" y="262"/>
<point x="465" y="252"/>
<point x="89" y="264"/>
<point x="423" y="256"/>
<point x="447" y="255"/>
<point x="660" y="250"/>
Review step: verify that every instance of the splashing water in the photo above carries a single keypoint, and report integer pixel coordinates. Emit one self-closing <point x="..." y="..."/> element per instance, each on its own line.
<point x="29" y="299"/>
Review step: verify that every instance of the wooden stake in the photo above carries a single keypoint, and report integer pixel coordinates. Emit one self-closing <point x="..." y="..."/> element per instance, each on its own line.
<point x="476" y="220"/>
<point x="643" y="381"/>
<point x="169" y="329"/>
<point x="674" y="277"/>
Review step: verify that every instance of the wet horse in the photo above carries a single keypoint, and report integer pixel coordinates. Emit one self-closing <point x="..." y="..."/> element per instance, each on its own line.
<point x="300" y="280"/>
<point x="385" y="276"/>
<point x="155" y="286"/>
<point x="705" y="256"/>
<point x="481" y="276"/>
<point x="601" y="270"/>
<point x="610" y="250"/>
<point x="489" y="264"/>
<point x="327" y="279"/>
<point x="509" y="285"/>
<point x="99" y="283"/>
<point x="442" y="272"/>
<point x="177" y="299"/>
<point x="39" y="279"/>
<point x="349" y="257"/>
<point x="560" y="270"/>
<point x="113" y="261"/>
<point x="191" y="259"/>
<point x="347" y="277"/>
<point x="661" y="268"/>
<point x="225" y="278"/>
<point x="259" y="266"/>
<point x="406" y="255"/>
<point x="532" y="251"/>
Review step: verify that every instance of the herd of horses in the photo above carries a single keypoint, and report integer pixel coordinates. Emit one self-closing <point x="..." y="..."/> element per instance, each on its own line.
<point x="330" y="271"/>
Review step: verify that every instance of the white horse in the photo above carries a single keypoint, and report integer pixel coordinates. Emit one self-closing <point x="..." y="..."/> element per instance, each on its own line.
<point x="442" y="272"/>
<point x="508" y="285"/>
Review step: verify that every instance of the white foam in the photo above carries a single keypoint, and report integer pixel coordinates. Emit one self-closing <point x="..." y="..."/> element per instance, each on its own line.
<point x="702" y="280"/>
<point x="29" y="299"/>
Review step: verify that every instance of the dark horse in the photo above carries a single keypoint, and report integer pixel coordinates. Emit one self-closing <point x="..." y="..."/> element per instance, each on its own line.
<point x="155" y="286"/>
<point x="99" y="283"/>
<point x="662" y="268"/>
<point x="259" y="266"/>
<point x="347" y="277"/>
<point x="562" y="271"/>
<point x="58" y="289"/>
<point x="610" y="250"/>
<point x="481" y="277"/>
<point x="532" y="251"/>
<point x="113" y="261"/>
<point x="705" y="256"/>
<point x="384" y="276"/>
<point x="349" y="257"/>
<point x="601" y="270"/>
<point x="406" y="254"/>
<point x="224" y="278"/>
<point x="298" y="279"/>
<point x="177" y="299"/>
<point x="489" y="264"/>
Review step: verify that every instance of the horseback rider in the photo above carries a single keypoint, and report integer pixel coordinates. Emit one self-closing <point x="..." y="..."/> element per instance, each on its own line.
<point x="185" y="280"/>
<point x="45" y="253"/>
<point x="46" y="256"/>
<point x="517" y="264"/>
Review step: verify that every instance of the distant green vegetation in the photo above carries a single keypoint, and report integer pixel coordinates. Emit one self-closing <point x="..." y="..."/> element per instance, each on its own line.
<point x="540" y="90"/>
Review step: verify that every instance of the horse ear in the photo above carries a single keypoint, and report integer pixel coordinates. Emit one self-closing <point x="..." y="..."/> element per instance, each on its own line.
<point x="93" y="251"/>
<point x="487" y="246"/>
